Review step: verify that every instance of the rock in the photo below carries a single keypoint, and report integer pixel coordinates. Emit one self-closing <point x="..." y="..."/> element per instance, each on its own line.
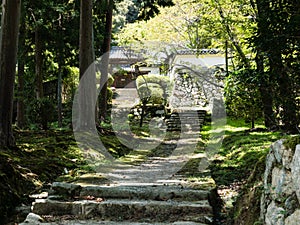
<point x="274" y="215"/>
<point x="269" y="163"/>
<point x="287" y="158"/>
<point x="263" y="203"/>
<point x="293" y="219"/>
<point x="295" y="167"/>
<point x="281" y="183"/>
<point x="32" y="219"/>
<point x="65" y="189"/>
<point x="277" y="148"/>
<point x="291" y="204"/>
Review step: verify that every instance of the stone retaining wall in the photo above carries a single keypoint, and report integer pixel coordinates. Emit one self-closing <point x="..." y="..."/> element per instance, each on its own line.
<point x="281" y="195"/>
<point x="192" y="90"/>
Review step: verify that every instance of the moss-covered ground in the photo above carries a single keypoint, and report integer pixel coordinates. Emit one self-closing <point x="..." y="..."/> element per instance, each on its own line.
<point x="238" y="169"/>
<point x="39" y="158"/>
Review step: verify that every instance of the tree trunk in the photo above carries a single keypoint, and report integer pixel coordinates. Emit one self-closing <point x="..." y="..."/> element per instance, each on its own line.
<point x="59" y="95"/>
<point x="286" y="93"/>
<point x="60" y="71"/>
<point x="267" y="83"/>
<point x="266" y="92"/>
<point x="8" y="56"/>
<point x="105" y="62"/>
<point x="21" y="72"/>
<point x="87" y="87"/>
<point x="38" y="64"/>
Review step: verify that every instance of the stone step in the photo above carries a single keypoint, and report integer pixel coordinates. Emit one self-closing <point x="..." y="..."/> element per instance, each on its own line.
<point x="180" y="129"/>
<point x="71" y="220"/>
<point x="188" y="109"/>
<point x="181" y="117"/>
<point x="188" y="121"/>
<point x="185" y="118"/>
<point x="159" y="192"/>
<point x="142" y="191"/>
<point x="127" y="210"/>
<point x="188" y="114"/>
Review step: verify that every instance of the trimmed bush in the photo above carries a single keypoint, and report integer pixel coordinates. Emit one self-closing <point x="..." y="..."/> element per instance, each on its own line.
<point x="163" y="81"/>
<point x="156" y="87"/>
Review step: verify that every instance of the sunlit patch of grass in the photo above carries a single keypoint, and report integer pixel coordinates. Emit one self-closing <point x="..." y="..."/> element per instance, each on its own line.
<point x="241" y="150"/>
<point x="135" y="157"/>
<point x="49" y="154"/>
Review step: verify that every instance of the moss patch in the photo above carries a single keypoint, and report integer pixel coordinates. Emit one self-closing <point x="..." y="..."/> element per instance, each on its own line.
<point x="39" y="158"/>
<point x="238" y="169"/>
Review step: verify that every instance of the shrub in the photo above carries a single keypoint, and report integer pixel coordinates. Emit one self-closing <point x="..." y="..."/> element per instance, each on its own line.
<point x="156" y="87"/>
<point x="153" y="91"/>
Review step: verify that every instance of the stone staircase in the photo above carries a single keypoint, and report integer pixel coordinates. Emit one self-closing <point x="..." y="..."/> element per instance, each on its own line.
<point x="135" y="199"/>
<point x="124" y="204"/>
<point x="185" y="117"/>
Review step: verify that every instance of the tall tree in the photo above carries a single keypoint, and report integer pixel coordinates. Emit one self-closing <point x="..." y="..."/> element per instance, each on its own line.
<point x="21" y="71"/>
<point x="265" y="86"/>
<point x="60" y="71"/>
<point x="105" y="59"/>
<point x="8" y="55"/>
<point x="87" y="88"/>
<point x="38" y="55"/>
<point x="276" y="40"/>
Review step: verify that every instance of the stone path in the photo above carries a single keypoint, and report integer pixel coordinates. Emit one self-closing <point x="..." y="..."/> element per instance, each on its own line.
<point x="151" y="192"/>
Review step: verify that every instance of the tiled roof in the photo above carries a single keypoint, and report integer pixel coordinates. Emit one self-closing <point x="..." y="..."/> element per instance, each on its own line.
<point x="198" y="51"/>
<point x="124" y="55"/>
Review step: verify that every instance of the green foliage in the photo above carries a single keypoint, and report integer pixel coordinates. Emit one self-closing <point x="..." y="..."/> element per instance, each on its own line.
<point x="242" y="95"/>
<point x="163" y="81"/>
<point x="172" y="23"/>
<point x="154" y="88"/>
<point x="114" y="146"/>
<point x="152" y="91"/>
<point x="109" y="95"/>
<point x="41" y="112"/>
<point x="238" y="167"/>
<point x="70" y="81"/>
<point x="149" y="9"/>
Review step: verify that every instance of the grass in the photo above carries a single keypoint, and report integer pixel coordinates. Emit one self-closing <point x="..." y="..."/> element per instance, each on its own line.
<point x="238" y="168"/>
<point x="241" y="149"/>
